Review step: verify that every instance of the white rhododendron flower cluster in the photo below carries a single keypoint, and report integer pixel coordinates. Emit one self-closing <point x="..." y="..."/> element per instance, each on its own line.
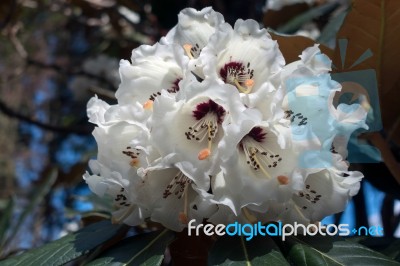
<point x="212" y="125"/>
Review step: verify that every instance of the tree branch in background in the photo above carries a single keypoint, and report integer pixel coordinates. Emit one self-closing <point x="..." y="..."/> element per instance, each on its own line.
<point x="102" y="92"/>
<point x="59" y="129"/>
<point x="67" y="72"/>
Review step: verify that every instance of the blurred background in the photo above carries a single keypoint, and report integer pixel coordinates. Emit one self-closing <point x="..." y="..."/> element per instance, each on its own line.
<point x="55" y="55"/>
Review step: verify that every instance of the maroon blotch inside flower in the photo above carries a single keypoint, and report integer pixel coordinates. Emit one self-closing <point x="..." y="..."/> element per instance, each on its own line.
<point x="230" y="68"/>
<point x="204" y="108"/>
<point x="175" y="86"/>
<point x="239" y="75"/>
<point x="257" y="133"/>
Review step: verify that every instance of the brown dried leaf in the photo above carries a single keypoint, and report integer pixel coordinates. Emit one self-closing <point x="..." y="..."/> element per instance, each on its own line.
<point x="292" y="46"/>
<point x="275" y="18"/>
<point x="374" y="25"/>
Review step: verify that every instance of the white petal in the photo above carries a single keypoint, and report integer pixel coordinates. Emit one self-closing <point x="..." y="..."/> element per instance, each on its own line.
<point x="242" y="48"/>
<point x="194" y="28"/>
<point x="153" y="69"/>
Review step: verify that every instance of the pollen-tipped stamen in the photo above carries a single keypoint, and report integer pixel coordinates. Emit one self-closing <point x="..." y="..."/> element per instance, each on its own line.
<point x="283" y="180"/>
<point x="183" y="216"/>
<point x="254" y="153"/>
<point x="188" y="50"/>
<point x="124" y="216"/>
<point x="248" y="86"/>
<point x="134" y="162"/>
<point x="148" y="105"/>
<point x="258" y="155"/>
<point x="204" y="154"/>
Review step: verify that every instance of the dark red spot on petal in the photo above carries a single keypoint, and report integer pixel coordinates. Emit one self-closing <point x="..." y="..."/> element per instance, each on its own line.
<point x="232" y="67"/>
<point x="204" y="108"/>
<point x="257" y="133"/>
<point x="175" y="86"/>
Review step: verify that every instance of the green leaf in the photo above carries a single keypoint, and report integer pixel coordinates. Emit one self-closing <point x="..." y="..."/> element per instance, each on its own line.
<point x="295" y="24"/>
<point x="236" y="250"/>
<point x="320" y="250"/>
<point x="143" y="249"/>
<point x="5" y="219"/>
<point x="388" y="246"/>
<point x="68" y="248"/>
<point x="328" y="34"/>
<point x="36" y="198"/>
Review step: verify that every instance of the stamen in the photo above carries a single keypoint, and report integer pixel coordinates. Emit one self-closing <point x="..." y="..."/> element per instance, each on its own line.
<point x="204" y="154"/>
<point x="257" y="153"/>
<point x="133" y="154"/>
<point x="188" y="47"/>
<point x="289" y="114"/>
<point x="177" y="186"/>
<point x="148" y="105"/>
<point x="310" y="195"/>
<point x="134" y="163"/>
<point x="124" y="216"/>
<point x="283" y="180"/>
<point x="208" y="116"/>
<point x="238" y="74"/>
<point x="248" y="83"/>
<point x="183" y="218"/>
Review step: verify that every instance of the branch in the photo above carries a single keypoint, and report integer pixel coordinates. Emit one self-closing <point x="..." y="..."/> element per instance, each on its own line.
<point x="59" y="129"/>
<point x="67" y="72"/>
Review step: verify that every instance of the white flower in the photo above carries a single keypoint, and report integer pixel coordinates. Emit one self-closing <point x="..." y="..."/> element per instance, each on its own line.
<point x="257" y="160"/>
<point x="309" y="92"/>
<point x="154" y="69"/>
<point x="192" y="124"/>
<point x="326" y="191"/>
<point x="350" y="118"/>
<point x="194" y="29"/>
<point x="122" y="147"/>
<point x="312" y="62"/>
<point x="122" y="191"/>
<point x="211" y="125"/>
<point x="175" y="198"/>
<point x="245" y="56"/>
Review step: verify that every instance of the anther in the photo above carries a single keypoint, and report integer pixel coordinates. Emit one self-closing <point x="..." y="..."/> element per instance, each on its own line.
<point x="249" y="83"/>
<point x="248" y="86"/>
<point x="188" y="47"/>
<point x="283" y="180"/>
<point x="148" y="105"/>
<point x="204" y="154"/>
<point x="183" y="218"/>
<point x="134" y="162"/>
